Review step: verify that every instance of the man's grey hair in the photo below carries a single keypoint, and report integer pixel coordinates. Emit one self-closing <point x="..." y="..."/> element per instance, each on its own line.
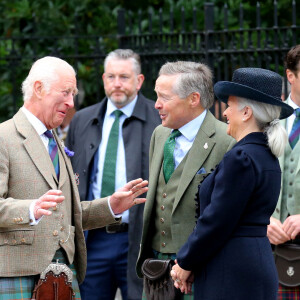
<point x="44" y="70"/>
<point x="194" y="77"/>
<point x="125" y="54"/>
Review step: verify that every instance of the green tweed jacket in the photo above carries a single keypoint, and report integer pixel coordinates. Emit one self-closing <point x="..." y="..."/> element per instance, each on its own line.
<point x="209" y="147"/>
<point x="26" y="173"/>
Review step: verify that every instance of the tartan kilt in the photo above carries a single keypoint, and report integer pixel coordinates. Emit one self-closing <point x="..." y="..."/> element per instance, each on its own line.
<point x="288" y="293"/>
<point x="160" y="255"/>
<point x="21" y="288"/>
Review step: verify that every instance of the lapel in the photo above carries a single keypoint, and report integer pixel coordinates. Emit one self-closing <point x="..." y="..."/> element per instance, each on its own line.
<point x="197" y="155"/>
<point x="62" y="160"/>
<point x="156" y="161"/>
<point x="35" y="148"/>
<point x="94" y="131"/>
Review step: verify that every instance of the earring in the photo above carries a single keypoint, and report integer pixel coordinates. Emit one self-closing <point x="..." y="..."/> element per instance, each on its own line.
<point x="243" y="119"/>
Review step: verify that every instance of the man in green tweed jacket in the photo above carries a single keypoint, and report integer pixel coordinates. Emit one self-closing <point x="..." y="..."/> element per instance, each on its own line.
<point x="40" y="211"/>
<point x="184" y="96"/>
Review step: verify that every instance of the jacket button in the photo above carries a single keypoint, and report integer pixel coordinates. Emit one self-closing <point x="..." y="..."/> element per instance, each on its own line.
<point x="62" y="241"/>
<point x="21" y="219"/>
<point x="163" y="244"/>
<point x="14" y="242"/>
<point x="62" y="228"/>
<point x="23" y="240"/>
<point x="163" y="233"/>
<point x="54" y="208"/>
<point x="277" y="210"/>
<point x="164" y="195"/>
<point x="55" y="232"/>
<point x="162" y="207"/>
<point x="162" y="220"/>
<point x="5" y="241"/>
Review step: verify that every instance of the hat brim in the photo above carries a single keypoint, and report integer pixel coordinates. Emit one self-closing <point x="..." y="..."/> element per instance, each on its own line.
<point x="224" y="89"/>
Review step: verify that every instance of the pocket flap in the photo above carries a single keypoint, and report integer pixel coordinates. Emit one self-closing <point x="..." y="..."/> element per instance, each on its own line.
<point x="154" y="269"/>
<point x="289" y="252"/>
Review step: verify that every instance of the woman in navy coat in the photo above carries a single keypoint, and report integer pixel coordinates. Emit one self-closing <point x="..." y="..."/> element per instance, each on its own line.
<point x="228" y="254"/>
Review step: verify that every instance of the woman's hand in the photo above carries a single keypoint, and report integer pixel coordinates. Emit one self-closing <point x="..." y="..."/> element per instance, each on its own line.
<point x="183" y="279"/>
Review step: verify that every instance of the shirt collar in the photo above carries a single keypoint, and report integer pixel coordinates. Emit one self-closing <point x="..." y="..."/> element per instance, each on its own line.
<point x="37" y="124"/>
<point x="190" y="130"/>
<point x="292" y="103"/>
<point x="127" y="110"/>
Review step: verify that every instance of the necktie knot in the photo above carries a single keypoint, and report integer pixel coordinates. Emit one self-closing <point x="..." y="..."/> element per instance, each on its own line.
<point x="175" y="133"/>
<point x="118" y="113"/>
<point x="48" y="134"/>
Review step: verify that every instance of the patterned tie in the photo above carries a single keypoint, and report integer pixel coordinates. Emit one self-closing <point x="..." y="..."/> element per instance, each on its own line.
<point x="169" y="163"/>
<point x="295" y="132"/>
<point x="52" y="149"/>
<point x="109" y="167"/>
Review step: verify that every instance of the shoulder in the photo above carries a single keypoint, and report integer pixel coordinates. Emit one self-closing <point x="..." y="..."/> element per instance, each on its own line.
<point x="87" y="112"/>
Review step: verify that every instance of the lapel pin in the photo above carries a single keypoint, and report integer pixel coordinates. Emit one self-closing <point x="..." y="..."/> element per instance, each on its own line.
<point x="205" y="146"/>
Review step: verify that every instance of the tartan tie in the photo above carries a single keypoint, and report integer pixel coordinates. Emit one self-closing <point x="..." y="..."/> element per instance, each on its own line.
<point x="169" y="147"/>
<point x="109" y="167"/>
<point x="295" y="132"/>
<point x="52" y="149"/>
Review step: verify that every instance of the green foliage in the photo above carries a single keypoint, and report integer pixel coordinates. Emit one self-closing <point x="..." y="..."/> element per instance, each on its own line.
<point x="49" y="27"/>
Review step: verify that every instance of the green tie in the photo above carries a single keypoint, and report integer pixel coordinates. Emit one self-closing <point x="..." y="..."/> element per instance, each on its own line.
<point x="169" y="163"/>
<point x="109" y="168"/>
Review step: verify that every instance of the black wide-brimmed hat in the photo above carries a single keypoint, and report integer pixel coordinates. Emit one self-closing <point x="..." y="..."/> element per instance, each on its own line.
<point x="255" y="84"/>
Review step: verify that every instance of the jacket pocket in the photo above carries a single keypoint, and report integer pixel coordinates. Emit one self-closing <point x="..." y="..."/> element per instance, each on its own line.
<point x="17" y="237"/>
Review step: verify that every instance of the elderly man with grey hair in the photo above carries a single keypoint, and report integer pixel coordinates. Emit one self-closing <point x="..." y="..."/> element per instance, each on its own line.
<point x="183" y="150"/>
<point x="112" y="139"/>
<point x="42" y="218"/>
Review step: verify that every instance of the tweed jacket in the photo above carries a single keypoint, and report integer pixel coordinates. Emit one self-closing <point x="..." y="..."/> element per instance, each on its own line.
<point x="296" y="183"/>
<point x="210" y="144"/>
<point x="26" y="173"/>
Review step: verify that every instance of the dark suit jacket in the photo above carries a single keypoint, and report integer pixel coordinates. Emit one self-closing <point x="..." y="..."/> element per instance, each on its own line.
<point x="228" y="249"/>
<point x="84" y="137"/>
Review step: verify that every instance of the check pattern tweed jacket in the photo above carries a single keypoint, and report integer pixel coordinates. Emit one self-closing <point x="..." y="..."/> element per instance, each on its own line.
<point x="26" y="173"/>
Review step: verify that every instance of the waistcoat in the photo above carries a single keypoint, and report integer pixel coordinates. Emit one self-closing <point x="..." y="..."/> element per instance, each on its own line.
<point x="165" y="196"/>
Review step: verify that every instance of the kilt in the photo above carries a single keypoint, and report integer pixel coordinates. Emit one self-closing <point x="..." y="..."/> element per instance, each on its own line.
<point x="288" y="293"/>
<point x="21" y="288"/>
<point x="160" y="255"/>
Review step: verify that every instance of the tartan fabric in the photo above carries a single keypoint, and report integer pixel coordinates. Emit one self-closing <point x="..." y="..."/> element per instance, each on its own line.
<point x="160" y="255"/>
<point x="53" y="151"/>
<point x="21" y="288"/>
<point x="288" y="293"/>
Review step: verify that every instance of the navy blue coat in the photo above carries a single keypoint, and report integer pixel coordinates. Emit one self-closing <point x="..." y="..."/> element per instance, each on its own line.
<point x="228" y="250"/>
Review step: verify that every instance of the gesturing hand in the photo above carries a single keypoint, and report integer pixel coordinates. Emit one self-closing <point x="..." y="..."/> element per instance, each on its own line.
<point x="126" y="197"/>
<point x="48" y="200"/>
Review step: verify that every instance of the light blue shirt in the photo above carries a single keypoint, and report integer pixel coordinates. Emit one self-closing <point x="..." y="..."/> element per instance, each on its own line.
<point x="188" y="134"/>
<point x="121" y="177"/>
<point x="291" y="119"/>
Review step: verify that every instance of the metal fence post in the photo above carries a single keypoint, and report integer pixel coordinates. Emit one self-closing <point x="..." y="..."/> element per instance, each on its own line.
<point x="209" y="37"/>
<point x="121" y="26"/>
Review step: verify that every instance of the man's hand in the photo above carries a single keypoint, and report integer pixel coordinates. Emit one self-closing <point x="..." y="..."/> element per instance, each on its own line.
<point x="276" y="233"/>
<point x="48" y="200"/>
<point x="126" y="197"/>
<point x="292" y="226"/>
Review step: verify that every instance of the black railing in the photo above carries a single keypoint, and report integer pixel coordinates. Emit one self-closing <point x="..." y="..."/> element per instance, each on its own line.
<point x="157" y="38"/>
<point x="223" y="50"/>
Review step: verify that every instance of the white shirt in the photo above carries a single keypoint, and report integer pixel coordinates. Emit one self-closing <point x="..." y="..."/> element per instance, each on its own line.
<point x="121" y="177"/>
<point x="185" y="141"/>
